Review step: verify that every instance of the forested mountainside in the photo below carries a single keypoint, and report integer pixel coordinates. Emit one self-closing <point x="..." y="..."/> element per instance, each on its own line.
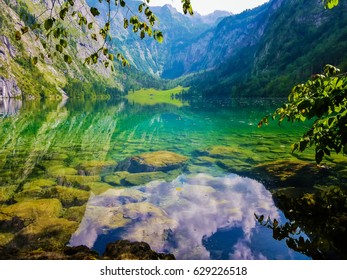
<point x="265" y="51"/>
<point x="147" y="55"/>
<point x="260" y="52"/>
<point x="46" y="79"/>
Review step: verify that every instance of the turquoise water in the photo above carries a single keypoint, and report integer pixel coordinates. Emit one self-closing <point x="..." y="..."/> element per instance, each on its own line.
<point x="63" y="154"/>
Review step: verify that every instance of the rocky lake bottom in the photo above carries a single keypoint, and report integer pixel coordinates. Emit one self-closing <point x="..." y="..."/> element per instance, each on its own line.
<point x="198" y="183"/>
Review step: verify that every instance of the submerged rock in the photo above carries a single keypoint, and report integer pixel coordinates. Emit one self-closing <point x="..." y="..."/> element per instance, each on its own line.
<point x="154" y="161"/>
<point x="126" y="250"/>
<point x="95" y="167"/>
<point x="119" y="250"/>
<point x="291" y="173"/>
<point x="124" y="178"/>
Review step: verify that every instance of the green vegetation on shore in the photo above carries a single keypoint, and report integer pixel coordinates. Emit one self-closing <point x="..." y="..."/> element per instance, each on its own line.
<point x="152" y="96"/>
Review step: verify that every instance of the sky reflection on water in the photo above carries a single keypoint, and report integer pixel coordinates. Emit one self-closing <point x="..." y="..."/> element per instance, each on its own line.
<point x="200" y="217"/>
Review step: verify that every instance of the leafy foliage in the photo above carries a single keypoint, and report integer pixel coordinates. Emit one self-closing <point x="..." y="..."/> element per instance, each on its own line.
<point x="330" y="3"/>
<point x="323" y="98"/>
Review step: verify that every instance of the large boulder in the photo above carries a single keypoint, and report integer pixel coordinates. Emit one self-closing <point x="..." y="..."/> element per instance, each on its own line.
<point x="155" y="161"/>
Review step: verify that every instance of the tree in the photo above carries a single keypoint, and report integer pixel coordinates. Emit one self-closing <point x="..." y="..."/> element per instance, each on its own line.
<point x="52" y="27"/>
<point x="323" y="98"/>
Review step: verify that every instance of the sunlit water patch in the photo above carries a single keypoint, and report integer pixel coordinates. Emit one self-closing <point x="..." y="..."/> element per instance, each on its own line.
<point x="199" y="217"/>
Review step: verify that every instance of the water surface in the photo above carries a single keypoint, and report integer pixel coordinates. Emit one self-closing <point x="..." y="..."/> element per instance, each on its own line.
<point x="65" y="154"/>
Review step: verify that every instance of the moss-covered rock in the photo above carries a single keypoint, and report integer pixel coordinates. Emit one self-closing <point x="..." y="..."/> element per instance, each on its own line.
<point x="6" y="193"/>
<point x="124" y="178"/>
<point x="45" y="233"/>
<point x="126" y="250"/>
<point x="137" y="179"/>
<point x="74" y="213"/>
<point x="291" y="173"/>
<point x="156" y="161"/>
<point x="98" y="187"/>
<point x="5" y="238"/>
<point x="96" y="167"/>
<point x="79" y="181"/>
<point x="234" y="165"/>
<point x="34" y="209"/>
<point x="39" y="188"/>
<point x="71" y="196"/>
<point x="115" y="179"/>
<point x="223" y="151"/>
<point x="60" y="170"/>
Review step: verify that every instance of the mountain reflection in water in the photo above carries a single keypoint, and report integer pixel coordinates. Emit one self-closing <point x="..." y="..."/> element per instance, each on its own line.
<point x="200" y="217"/>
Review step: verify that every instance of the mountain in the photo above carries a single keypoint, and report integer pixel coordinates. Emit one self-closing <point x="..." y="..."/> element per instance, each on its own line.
<point x="147" y="55"/>
<point x="19" y="76"/>
<point x="266" y="50"/>
<point x="259" y="52"/>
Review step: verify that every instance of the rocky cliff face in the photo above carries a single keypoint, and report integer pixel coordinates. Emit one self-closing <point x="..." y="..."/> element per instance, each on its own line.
<point x="266" y="51"/>
<point x="20" y="77"/>
<point x="219" y="43"/>
<point x="9" y="88"/>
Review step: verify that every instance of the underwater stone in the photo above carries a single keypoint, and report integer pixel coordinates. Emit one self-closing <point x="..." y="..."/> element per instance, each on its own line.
<point x="156" y="161"/>
<point x="78" y="180"/>
<point x="34" y="209"/>
<point x="39" y="188"/>
<point x="74" y="213"/>
<point x="223" y="151"/>
<point x="95" y="167"/>
<point x="116" y="178"/>
<point x="61" y="170"/>
<point x="6" y="193"/>
<point x="126" y="250"/>
<point x="137" y="179"/>
<point x="71" y="196"/>
<point x="98" y="187"/>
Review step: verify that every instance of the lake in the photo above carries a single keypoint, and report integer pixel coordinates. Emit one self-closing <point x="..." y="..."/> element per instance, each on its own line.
<point x="188" y="180"/>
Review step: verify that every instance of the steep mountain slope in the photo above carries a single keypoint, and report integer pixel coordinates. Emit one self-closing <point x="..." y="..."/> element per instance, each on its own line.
<point x="147" y="55"/>
<point x="270" y="48"/>
<point x="211" y="48"/>
<point x="18" y="73"/>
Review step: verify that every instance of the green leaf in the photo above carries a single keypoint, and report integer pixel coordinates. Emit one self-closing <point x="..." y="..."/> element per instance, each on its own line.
<point x="35" y="60"/>
<point x="18" y="35"/>
<point x="63" y="13"/>
<point x="111" y="56"/>
<point x="67" y="59"/>
<point x="95" y="12"/>
<point x="94" y="37"/>
<point x="59" y="48"/>
<point x="24" y="29"/>
<point x="90" y="25"/>
<point x="122" y="3"/>
<point x="159" y="36"/>
<point x="126" y="23"/>
<point x="63" y="43"/>
<point x="48" y="23"/>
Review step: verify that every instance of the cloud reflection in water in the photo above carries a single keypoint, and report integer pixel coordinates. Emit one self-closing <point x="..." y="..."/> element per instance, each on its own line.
<point x="181" y="216"/>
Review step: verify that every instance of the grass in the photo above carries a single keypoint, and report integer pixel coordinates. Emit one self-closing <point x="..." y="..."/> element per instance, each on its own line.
<point x="153" y="96"/>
